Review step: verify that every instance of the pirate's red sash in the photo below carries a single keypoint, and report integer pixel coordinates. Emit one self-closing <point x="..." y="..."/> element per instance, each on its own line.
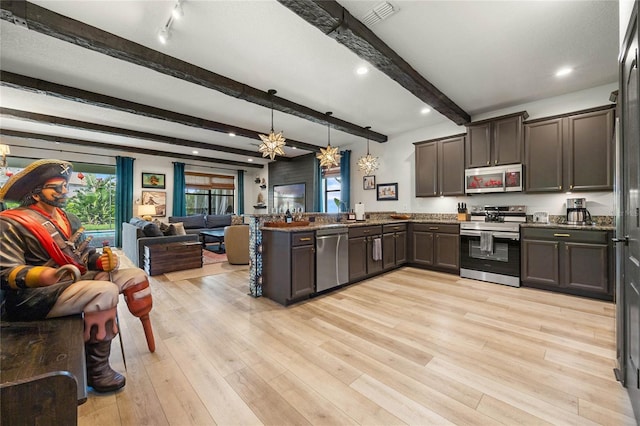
<point x="47" y="234"/>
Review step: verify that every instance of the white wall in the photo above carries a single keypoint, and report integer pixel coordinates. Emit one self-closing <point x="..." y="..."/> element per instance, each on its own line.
<point x="625" y="7"/>
<point x="397" y="164"/>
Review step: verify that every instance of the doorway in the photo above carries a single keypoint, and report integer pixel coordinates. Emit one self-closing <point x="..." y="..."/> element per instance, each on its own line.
<point x="628" y="223"/>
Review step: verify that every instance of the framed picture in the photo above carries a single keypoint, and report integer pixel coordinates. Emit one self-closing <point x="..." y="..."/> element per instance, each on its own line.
<point x="153" y="180"/>
<point x="369" y="182"/>
<point x="387" y="191"/>
<point x="158" y="199"/>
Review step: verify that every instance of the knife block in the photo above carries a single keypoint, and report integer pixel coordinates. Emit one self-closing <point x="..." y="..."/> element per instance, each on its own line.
<point x="464" y="217"/>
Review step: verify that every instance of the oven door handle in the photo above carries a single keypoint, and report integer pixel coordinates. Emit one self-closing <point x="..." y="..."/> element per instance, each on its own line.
<point x="496" y="234"/>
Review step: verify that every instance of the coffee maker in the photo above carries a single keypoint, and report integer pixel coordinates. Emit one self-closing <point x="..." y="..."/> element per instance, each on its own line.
<point x="577" y="213"/>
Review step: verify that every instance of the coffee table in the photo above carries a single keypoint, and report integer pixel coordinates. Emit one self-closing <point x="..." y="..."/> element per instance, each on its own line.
<point x="218" y="237"/>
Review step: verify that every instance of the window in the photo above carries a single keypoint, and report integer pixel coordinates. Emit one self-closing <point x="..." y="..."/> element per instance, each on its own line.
<point x="209" y="193"/>
<point x="331" y="190"/>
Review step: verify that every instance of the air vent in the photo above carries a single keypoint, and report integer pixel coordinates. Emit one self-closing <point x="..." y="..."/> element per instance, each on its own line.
<point x="378" y="13"/>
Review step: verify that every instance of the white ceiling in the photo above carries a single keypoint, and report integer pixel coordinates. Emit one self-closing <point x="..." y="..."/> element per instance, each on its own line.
<point x="483" y="55"/>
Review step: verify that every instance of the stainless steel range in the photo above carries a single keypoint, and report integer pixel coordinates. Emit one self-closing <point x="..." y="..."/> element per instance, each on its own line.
<point x="490" y="244"/>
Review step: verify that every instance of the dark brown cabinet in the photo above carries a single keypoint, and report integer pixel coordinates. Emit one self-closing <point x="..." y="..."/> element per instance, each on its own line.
<point x="435" y="246"/>
<point x="362" y="242"/>
<point x="394" y="245"/>
<point x="496" y="141"/>
<point x="570" y="261"/>
<point x="572" y="152"/>
<point x="440" y="167"/>
<point x="289" y="264"/>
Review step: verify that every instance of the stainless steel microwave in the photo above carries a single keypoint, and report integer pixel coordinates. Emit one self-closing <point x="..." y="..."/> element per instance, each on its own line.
<point x="493" y="179"/>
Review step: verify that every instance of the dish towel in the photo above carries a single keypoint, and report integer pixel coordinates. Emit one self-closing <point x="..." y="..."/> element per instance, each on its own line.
<point x="377" y="249"/>
<point x="486" y="242"/>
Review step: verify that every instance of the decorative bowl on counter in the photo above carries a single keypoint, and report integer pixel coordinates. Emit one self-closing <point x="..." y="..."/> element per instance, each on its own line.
<point x="285" y="224"/>
<point x="400" y="216"/>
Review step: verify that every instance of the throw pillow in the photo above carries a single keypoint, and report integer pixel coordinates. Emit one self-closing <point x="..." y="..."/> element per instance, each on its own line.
<point x="151" y="230"/>
<point x="171" y="230"/>
<point x="163" y="226"/>
<point x="179" y="228"/>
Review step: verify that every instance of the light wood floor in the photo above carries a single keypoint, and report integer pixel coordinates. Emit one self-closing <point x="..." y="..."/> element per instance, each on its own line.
<point x="408" y="347"/>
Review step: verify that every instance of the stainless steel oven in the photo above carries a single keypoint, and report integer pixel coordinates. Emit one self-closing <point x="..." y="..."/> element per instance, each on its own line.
<point x="490" y="245"/>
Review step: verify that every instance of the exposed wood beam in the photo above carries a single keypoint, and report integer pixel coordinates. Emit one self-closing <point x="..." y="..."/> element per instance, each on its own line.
<point x="117" y="131"/>
<point x="21" y="82"/>
<point x="44" y="21"/>
<point x="336" y="22"/>
<point x="112" y="147"/>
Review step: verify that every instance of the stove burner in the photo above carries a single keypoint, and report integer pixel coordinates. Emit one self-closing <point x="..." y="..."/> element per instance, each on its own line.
<point x="493" y="216"/>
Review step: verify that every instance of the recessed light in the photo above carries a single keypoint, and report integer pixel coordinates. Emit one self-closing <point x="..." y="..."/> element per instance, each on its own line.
<point x="294" y="147"/>
<point x="232" y="134"/>
<point x="250" y="160"/>
<point x="194" y="152"/>
<point x="425" y="110"/>
<point x="563" y="71"/>
<point x="362" y="70"/>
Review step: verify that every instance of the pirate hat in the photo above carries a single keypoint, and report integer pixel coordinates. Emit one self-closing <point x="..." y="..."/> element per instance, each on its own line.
<point x="33" y="176"/>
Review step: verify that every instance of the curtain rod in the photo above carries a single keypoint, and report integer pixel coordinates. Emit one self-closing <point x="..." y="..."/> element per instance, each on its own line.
<point x="22" y="157"/>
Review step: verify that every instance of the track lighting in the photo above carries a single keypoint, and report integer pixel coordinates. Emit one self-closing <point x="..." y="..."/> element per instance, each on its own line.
<point x="164" y="33"/>
<point x="177" y="11"/>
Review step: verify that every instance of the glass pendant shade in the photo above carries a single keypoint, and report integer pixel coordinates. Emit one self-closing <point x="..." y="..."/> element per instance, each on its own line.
<point x="329" y="156"/>
<point x="272" y="143"/>
<point x="368" y="164"/>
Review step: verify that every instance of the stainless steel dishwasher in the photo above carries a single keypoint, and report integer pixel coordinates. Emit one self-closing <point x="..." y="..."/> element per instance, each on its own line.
<point x="332" y="257"/>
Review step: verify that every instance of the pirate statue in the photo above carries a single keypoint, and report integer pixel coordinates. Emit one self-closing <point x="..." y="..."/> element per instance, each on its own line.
<point x="48" y="270"/>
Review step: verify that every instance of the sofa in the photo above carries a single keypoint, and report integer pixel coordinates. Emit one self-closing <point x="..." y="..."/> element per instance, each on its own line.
<point x="193" y="224"/>
<point x="139" y="233"/>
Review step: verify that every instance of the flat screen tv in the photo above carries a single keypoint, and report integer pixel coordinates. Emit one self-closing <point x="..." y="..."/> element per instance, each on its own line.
<point x="289" y="197"/>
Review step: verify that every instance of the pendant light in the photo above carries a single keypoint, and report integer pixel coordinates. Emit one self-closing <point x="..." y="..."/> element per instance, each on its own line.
<point x="368" y="164"/>
<point x="272" y="144"/>
<point x="329" y="156"/>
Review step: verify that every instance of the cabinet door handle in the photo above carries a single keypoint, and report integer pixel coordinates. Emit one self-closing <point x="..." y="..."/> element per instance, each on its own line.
<point x="433" y="228"/>
<point x="305" y="239"/>
<point x="366" y="231"/>
<point x="562" y="235"/>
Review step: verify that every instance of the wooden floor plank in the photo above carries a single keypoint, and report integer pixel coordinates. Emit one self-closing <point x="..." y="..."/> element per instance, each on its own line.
<point x="407" y="347"/>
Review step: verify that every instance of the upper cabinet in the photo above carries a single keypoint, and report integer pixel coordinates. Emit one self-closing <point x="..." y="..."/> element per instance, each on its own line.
<point x="496" y="141"/>
<point x="572" y="152"/>
<point x="440" y="167"/>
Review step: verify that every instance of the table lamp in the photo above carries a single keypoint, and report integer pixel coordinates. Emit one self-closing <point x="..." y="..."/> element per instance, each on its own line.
<point x="145" y="211"/>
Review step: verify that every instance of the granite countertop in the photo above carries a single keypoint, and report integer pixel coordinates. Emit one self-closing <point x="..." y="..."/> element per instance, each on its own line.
<point x="373" y="222"/>
<point x="593" y="227"/>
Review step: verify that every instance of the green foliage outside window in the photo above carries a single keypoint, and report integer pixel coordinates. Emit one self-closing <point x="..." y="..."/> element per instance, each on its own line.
<point x="94" y="204"/>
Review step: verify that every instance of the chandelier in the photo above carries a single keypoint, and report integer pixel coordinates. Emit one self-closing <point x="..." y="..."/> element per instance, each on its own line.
<point x="329" y="156"/>
<point x="272" y="144"/>
<point x="368" y="164"/>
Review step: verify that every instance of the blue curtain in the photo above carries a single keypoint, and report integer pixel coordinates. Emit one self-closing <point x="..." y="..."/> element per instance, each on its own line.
<point x="317" y="194"/>
<point x="345" y="178"/>
<point x="240" y="209"/>
<point x="179" y="186"/>
<point x="124" y="194"/>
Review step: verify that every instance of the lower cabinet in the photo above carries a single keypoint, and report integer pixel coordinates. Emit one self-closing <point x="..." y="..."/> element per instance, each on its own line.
<point x="435" y="246"/>
<point x="570" y="261"/>
<point x="394" y="245"/>
<point x="365" y="259"/>
<point x="289" y="264"/>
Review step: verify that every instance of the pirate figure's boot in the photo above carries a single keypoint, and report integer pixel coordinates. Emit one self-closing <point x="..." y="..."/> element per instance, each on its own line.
<point x="99" y="329"/>
<point x="139" y="302"/>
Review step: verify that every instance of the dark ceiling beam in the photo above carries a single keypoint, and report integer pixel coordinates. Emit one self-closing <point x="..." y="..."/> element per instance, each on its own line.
<point x="34" y="85"/>
<point x="112" y="147"/>
<point x="44" y="21"/>
<point x="336" y="22"/>
<point x="117" y="131"/>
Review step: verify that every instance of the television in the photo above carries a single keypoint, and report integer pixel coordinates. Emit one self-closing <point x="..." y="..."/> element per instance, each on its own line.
<point x="289" y="197"/>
